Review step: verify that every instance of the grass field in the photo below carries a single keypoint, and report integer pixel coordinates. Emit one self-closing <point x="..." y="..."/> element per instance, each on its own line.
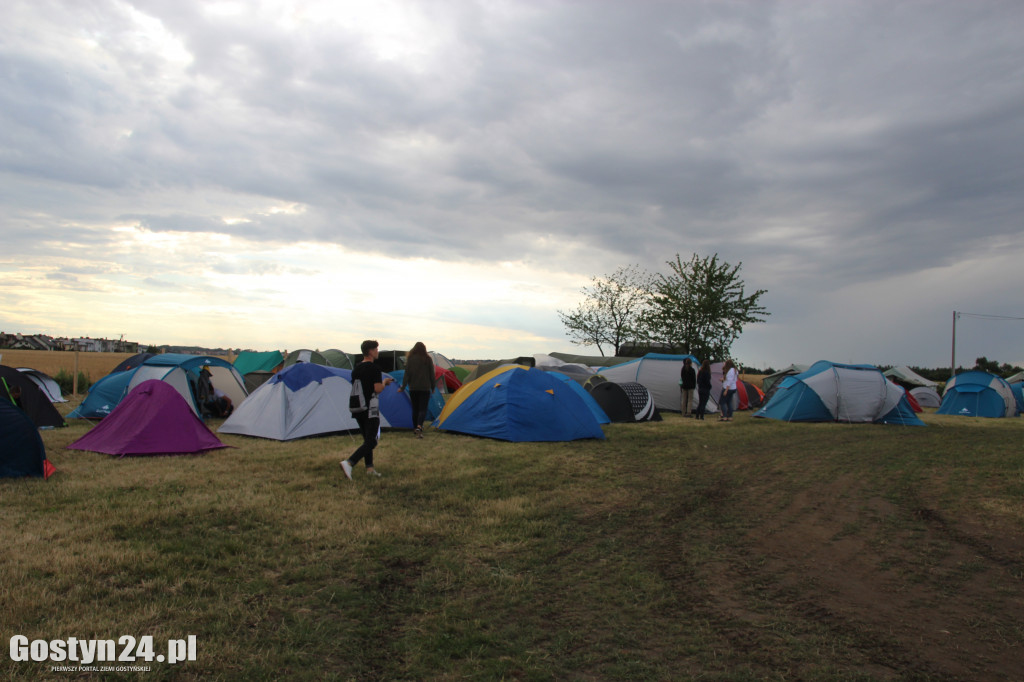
<point x="679" y="550"/>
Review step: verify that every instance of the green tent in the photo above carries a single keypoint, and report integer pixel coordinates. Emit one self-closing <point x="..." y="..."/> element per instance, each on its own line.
<point x="253" y="361"/>
<point x="339" y="358"/>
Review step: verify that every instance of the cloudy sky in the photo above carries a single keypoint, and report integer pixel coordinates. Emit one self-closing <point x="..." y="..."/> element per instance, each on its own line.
<point x="293" y="174"/>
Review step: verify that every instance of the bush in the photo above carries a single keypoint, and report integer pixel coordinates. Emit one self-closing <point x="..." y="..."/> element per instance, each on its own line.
<point x="65" y="380"/>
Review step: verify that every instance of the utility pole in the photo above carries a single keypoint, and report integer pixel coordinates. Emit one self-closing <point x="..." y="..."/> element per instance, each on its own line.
<point x="952" y="369"/>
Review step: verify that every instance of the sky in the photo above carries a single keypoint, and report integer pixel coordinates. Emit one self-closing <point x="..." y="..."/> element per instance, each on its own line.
<point x="290" y="174"/>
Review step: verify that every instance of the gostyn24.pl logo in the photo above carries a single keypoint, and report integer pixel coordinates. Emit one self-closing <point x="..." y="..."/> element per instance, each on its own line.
<point x="125" y="649"/>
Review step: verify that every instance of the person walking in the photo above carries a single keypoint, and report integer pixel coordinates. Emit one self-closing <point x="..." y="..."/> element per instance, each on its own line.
<point x="373" y="382"/>
<point x="703" y="389"/>
<point x="419" y="378"/>
<point x="687" y="383"/>
<point x="729" y="378"/>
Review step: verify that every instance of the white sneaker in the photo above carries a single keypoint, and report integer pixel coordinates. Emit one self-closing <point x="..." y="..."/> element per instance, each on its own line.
<point x="347" y="468"/>
<point x="374" y="473"/>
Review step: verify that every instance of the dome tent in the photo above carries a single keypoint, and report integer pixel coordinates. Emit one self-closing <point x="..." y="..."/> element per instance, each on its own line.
<point x="22" y="453"/>
<point x="926" y="396"/>
<point x="978" y="394"/>
<point x="830" y="391"/>
<point x="182" y="371"/>
<point x="103" y="396"/>
<point x="626" y="402"/>
<point x="519" y="404"/>
<point x="33" y="400"/>
<point x="153" y="419"/>
<point x="307" y="399"/>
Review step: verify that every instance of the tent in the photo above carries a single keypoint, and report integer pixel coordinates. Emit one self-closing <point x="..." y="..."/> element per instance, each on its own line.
<point x="577" y="373"/>
<point x="926" y="396"/>
<point x="103" y="396"/>
<point x="32" y="400"/>
<point x="908" y="378"/>
<point x="46" y="383"/>
<point x="519" y="404"/>
<point x="153" y="419"/>
<point x="830" y="391"/>
<point x="21" y="449"/>
<point x="1016" y="378"/>
<point x="748" y="396"/>
<point x="440" y="360"/>
<point x="626" y="402"/>
<point x="772" y="380"/>
<point x="306" y="355"/>
<point x="978" y="394"/>
<point x="1018" y="395"/>
<point x="595" y="408"/>
<point x="592" y="360"/>
<point x="307" y="399"/>
<point x="488" y="367"/>
<point x="258" y="361"/>
<point x="132" y="362"/>
<point x="340" y="359"/>
<point x="182" y="372"/>
<point x="659" y="372"/>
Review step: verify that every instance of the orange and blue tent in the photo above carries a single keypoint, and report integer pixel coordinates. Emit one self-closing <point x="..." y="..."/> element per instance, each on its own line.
<point x="519" y="404"/>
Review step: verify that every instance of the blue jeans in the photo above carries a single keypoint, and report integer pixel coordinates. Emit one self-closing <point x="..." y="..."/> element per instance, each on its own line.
<point x="725" y="404"/>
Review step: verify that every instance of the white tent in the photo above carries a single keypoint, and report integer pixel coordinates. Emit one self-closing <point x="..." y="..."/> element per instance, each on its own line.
<point x="307" y="399"/>
<point x="659" y="373"/>
<point x="908" y="377"/>
<point x="926" y="396"/>
<point x="181" y="371"/>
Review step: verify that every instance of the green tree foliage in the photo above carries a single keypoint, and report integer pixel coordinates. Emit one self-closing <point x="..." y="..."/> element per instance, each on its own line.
<point x="612" y="311"/>
<point x="701" y="307"/>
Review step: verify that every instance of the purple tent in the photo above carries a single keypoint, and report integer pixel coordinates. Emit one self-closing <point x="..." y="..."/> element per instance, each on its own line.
<point x="153" y="419"/>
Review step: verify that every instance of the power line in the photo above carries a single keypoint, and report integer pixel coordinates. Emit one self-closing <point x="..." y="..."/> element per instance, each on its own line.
<point x="982" y="316"/>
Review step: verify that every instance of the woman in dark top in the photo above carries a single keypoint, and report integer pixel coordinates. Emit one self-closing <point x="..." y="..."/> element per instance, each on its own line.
<point x="703" y="388"/>
<point x="419" y="378"/>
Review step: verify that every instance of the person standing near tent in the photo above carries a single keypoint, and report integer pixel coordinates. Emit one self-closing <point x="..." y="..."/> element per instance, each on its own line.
<point x="373" y="383"/>
<point x="703" y="389"/>
<point x="729" y="378"/>
<point x="687" y="382"/>
<point x="419" y="377"/>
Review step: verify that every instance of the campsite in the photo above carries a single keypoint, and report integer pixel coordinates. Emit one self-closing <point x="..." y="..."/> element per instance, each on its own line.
<point x="755" y="550"/>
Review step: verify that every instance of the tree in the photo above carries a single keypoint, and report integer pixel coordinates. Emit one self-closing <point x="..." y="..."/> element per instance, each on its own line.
<point x="701" y="307"/>
<point x="612" y="311"/>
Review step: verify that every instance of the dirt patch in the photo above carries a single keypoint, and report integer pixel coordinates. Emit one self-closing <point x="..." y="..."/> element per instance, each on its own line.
<point x="909" y="588"/>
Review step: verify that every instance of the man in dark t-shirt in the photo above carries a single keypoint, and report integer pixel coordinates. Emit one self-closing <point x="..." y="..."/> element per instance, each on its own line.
<point x="373" y="383"/>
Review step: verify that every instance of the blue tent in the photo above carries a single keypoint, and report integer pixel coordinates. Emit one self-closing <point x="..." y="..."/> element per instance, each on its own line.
<point x="436" y="403"/>
<point x="595" y="409"/>
<point x="831" y="392"/>
<point x="21" y="449"/>
<point x="103" y="396"/>
<point x="519" y="404"/>
<point x="978" y="394"/>
<point x="1018" y="395"/>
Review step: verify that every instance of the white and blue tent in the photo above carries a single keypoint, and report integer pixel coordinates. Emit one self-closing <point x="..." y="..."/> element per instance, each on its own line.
<point x="831" y="392"/>
<point x="182" y="372"/>
<point x="659" y="373"/>
<point x="307" y="399"/>
<point x="978" y="394"/>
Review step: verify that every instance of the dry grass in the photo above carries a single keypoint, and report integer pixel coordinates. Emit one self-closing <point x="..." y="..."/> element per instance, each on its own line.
<point x="675" y="550"/>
